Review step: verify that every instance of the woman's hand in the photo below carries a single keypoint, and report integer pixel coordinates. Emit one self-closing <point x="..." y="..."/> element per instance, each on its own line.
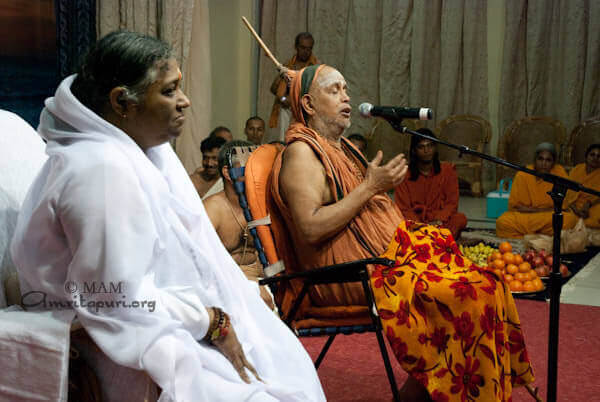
<point x="232" y="350"/>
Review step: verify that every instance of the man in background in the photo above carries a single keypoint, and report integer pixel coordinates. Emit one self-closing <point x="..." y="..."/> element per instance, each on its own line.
<point x="206" y="178"/>
<point x="360" y="142"/>
<point x="226" y="215"/>
<point x="280" y="114"/>
<point x="255" y="130"/>
<point x="222" y="132"/>
<point x="430" y="195"/>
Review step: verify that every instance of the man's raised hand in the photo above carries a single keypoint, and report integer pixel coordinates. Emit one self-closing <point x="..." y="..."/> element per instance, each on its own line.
<point x="384" y="178"/>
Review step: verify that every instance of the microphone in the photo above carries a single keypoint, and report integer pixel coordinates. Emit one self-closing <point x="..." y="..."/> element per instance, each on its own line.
<point x="395" y="112"/>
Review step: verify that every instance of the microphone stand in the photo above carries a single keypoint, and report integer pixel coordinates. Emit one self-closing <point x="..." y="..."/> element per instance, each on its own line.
<point x="560" y="186"/>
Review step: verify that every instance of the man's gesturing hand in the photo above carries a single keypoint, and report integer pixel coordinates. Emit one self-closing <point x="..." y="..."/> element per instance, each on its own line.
<point x="383" y="178"/>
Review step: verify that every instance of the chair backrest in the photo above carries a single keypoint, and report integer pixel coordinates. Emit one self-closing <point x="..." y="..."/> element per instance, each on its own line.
<point x="518" y="143"/>
<point x="258" y="187"/>
<point x="469" y="130"/>
<point x="582" y="136"/>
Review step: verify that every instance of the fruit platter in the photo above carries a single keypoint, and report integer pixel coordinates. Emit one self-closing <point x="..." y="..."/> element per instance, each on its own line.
<point x="517" y="271"/>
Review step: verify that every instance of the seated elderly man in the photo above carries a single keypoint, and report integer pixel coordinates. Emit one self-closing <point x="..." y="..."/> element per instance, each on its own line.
<point x="226" y="215"/>
<point x="452" y="326"/>
<point x="530" y="207"/>
<point x="113" y="229"/>
<point x="587" y="206"/>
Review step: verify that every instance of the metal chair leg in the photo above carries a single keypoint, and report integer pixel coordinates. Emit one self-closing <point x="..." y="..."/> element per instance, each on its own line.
<point x="324" y="351"/>
<point x="388" y="366"/>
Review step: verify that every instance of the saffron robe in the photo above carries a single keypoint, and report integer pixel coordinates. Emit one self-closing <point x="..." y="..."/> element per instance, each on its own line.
<point x="433" y="197"/>
<point x="591" y="180"/>
<point x="103" y="211"/>
<point x="530" y="191"/>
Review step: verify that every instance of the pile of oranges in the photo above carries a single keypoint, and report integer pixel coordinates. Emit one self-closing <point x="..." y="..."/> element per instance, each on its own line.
<point x="515" y="271"/>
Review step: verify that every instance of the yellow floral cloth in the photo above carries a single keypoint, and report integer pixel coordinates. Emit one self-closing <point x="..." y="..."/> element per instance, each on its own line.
<point x="452" y="325"/>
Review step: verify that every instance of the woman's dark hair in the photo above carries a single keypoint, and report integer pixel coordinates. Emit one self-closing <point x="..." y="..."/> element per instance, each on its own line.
<point x="590" y="148"/>
<point x="127" y="59"/>
<point x="413" y="166"/>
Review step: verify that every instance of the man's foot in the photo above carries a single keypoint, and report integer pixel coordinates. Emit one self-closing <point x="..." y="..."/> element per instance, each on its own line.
<point x="414" y="391"/>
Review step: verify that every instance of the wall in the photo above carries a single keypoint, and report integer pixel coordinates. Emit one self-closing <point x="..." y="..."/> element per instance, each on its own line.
<point x="233" y="62"/>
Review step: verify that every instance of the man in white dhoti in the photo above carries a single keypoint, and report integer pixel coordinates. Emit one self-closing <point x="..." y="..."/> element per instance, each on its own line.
<point x="114" y="228"/>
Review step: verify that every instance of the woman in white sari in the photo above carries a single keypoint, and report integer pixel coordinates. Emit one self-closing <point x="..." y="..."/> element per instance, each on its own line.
<point x="113" y="228"/>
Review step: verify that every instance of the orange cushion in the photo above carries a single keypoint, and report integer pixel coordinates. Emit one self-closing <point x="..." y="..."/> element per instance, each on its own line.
<point x="258" y="170"/>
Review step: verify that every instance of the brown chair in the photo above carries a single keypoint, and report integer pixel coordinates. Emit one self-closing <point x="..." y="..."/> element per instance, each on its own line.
<point x="580" y="138"/>
<point x="523" y="135"/>
<point x="473" y="132"/>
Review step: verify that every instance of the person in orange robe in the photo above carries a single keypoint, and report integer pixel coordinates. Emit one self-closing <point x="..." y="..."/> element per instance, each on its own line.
<point x="452" y="326"/>
<point x="530" y="208"/>
<point x="587" y="206"/>
<point x="280" y="113"/>
<point x="430" y="194"/>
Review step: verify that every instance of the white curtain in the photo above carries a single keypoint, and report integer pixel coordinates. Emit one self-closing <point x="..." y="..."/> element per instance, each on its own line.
<point x="551" y="61"/>
<point x="391" y="52"/>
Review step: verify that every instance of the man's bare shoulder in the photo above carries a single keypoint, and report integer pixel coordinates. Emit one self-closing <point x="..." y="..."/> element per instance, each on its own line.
<point x="214" y="204"/>
<point x="299" y="152"/>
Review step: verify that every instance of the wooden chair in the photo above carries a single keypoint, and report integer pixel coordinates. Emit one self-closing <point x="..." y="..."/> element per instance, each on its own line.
<point x="582" y="136"/>
<point x="523" y="135"/>
<point x="300" y="315"/>
<point x="469" y="130"/>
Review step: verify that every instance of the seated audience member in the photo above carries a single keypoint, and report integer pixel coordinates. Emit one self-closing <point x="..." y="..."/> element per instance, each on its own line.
<point x="530" y="207"/>
<point x="226" y="215"/>
<point x="222" y="132"/>
<point x="206" y="178"/>
<point x="587" y="206"/>
<point x="430" y="194"/>
<point x="452" y="326"/>
<point x="114" y="205"/>
<point x="359" y="141"/>
<point x="255" y="130"/>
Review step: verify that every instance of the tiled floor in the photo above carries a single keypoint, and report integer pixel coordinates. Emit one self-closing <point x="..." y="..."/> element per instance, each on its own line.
<point x="475" y="210"/>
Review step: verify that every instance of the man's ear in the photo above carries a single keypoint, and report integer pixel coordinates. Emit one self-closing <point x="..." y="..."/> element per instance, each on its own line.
<point x="307" y="104"/>
<point x="225" y="172"/>
<point x="118" y="101"/>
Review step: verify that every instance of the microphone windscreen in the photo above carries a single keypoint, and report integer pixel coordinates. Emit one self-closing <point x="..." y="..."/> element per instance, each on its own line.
<point x="365" y="109"/>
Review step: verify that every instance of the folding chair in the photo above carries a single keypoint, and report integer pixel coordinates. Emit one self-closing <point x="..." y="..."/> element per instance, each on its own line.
<point x="250" y="170"/>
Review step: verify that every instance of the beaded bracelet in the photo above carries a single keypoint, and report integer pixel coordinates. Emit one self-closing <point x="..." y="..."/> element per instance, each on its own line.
<point x="219" y="327"/>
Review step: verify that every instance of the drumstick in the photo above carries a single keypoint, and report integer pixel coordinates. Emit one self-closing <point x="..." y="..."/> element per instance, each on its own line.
<point x="279" y="66"/>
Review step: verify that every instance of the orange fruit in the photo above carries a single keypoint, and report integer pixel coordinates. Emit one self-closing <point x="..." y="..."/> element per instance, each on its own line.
<point x="521" y="277"/>
<point x="498" y="264"/>
<point x="532" y="274"/>
<point x="512" y="269"/>
<point x="505" y="247"/>
<point x="537" y="282"/>
<point x="499" y="273"/>
<point x="518" y="259"/>
<point x="508" y="278"/>
<point x="528" y="286"/>
<point x="508" y="257"/>
<point x="496" y="255"/>
<point x="524" y="267"/>
<point x="515" y="286"/>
